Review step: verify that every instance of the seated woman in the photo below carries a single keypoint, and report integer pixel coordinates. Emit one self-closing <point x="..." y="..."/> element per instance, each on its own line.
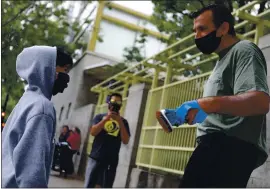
<point x="65" y="132"/>
<point x="74" y="139"/>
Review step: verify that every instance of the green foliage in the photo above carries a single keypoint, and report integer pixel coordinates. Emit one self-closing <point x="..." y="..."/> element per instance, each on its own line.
<point x="173" y="18"/>
<point x="134" y="53"/>
<point x="28" y="23"/>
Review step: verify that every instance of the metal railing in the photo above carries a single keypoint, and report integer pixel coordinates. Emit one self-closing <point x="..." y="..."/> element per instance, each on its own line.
<point x="160" y="150"/>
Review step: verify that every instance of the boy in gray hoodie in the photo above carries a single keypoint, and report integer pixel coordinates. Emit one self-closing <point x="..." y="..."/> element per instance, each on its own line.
<point x="27" y="138"/>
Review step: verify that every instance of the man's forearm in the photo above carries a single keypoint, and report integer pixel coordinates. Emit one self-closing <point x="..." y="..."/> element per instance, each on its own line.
<point x="246" y="104"/>
<point x="96" y="129"/>
<point x="123" y="133"/>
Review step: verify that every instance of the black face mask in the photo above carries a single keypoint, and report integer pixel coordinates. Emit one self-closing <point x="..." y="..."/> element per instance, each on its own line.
<point x="114" y="107"/>
<point x="208" y="43"/>
<point x="60" y="83"/>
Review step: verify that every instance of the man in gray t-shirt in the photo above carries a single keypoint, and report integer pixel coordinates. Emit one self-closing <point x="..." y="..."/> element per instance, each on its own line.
<point x="231" y="132"/>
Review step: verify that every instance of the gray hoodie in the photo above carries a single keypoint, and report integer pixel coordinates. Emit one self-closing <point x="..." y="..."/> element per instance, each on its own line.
<point x="27" y="139"/>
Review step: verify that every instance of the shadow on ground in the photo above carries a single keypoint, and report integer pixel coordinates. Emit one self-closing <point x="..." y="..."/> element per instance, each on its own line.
<point x="60" y="182"/>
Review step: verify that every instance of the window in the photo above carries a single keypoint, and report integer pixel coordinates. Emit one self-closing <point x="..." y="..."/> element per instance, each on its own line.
<point x="69" y="105"/>
<point x="61" y="112"/>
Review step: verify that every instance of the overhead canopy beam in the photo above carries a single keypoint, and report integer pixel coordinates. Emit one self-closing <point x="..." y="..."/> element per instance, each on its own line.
<point x="168" y="55"/>
<point x="134" y="27"/>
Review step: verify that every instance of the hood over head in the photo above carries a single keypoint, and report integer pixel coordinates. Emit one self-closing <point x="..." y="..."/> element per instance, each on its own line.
<point x="37" y="65"/>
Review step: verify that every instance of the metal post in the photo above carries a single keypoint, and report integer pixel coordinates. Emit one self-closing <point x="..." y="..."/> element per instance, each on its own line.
<point x="155" y="79"/>
<point x="259" y="32"/>
<point x="125" y="91"/>
<point x="94" y="37"/>
<point x="163" y="101"/>
<point x="100" y="98"/>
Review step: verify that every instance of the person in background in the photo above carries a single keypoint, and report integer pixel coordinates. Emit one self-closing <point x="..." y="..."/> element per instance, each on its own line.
<point x="68" y="149"/>
<point x="109" y="129"/>
<point x="65" y="132"/>
<point x="74" y="140"/>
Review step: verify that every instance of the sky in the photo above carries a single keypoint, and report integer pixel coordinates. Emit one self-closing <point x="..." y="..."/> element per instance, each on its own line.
<point x="145" y="7"/>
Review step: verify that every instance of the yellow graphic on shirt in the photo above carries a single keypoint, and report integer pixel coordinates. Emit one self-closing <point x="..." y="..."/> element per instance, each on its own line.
<point x="112" y="127"/>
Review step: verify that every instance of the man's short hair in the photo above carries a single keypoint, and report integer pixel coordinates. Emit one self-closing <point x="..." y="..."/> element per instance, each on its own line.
<point x="220" y="14"/>
<point x="65" y="126"/>
<point x="63" y="58"/>
<point x="77" y="130"/>
<point x="114" y="94"/>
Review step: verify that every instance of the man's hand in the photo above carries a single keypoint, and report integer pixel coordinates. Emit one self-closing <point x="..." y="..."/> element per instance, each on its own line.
<point x="190" y="112"/>
<point x="114" y="115"/>
<point x="191" y="115"/>
<point x="123" y="131"/>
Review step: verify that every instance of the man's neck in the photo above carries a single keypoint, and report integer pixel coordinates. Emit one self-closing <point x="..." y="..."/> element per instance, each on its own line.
<point x="226" y="42"/>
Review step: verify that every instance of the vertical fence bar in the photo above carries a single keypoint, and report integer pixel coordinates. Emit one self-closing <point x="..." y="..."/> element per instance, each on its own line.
<point x="259" y="32"/>
<point x="155" y="80"/>
<point x="163" y="100"/>
<point x="94" y="37"/>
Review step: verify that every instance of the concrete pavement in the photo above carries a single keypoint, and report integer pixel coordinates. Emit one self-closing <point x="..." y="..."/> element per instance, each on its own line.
<point x="60" y="182"/>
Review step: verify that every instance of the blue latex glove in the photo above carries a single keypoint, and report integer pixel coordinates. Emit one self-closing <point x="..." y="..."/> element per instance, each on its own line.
<point x="181" y="112"/>
<point x="178" y="116"/>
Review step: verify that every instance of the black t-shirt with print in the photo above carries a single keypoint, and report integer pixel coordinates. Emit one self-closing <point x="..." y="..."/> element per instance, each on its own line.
<point x="107" y="143"/>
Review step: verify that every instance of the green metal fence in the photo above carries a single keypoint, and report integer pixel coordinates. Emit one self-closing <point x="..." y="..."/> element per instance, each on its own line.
<point x="160" y="150"/>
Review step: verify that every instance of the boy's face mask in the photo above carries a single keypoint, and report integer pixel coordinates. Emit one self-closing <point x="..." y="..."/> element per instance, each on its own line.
<point x="60" y="83"/>
<point x="114" y="105"/>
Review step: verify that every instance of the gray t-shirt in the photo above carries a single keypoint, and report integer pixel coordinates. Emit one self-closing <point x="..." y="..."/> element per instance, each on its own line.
<point x="241" y="68"/>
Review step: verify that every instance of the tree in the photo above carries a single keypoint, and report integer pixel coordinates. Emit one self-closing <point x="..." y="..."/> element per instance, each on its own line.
<point x="134" y="53"/>
<point x="28" y="23"/>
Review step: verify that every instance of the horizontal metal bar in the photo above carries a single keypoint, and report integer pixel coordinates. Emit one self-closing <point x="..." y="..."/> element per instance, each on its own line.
<point x="246" y="16"/>
<point x="160" y="168"/>
<point x="252" y="32"/>
<point x="154" y="66"/>
<point x="183" y="51"/>
<point x="134" y="27"/>
<point x="178" y="82"/>
<point x="192" y="57"/>
<point x="159" y="127"/>
<point x="240" y="25"/>
<point x="148" y="75"/>
<point x="136" y="77"/>
<point x="167" y="148"/>
<point x="152" y="57"/>
<point x="214" y="57"/>
<point x="132" y="78"/>
<point x="247" y="6"/>
<point x="128" y="10"/>
<point x="264" y="13"/>
<point x="174" y="45"/>
<point x="120" y="87"/>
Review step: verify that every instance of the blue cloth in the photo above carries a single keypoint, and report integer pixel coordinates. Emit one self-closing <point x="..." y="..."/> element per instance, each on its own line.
<point x="27" y="138"/>
<point x="178" y="116"/>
